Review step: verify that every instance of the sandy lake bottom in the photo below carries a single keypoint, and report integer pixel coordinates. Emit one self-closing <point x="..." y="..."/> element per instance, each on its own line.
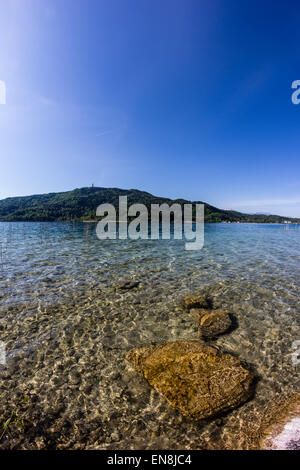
<point x="67" y="329"/>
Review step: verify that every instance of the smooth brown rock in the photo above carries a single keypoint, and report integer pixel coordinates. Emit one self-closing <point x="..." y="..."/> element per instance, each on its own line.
<point x="197" y="379"/>
<point x="196" y="301"/>
<point x="214" y="323"/>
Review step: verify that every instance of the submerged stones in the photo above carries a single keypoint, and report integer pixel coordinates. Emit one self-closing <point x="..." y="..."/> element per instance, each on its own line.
<point x="193" y="377"/>
<point x="198" y="313"/>
<point x="197" y="379"/>
<point x="127" y="285"/>
<point x="197" y="301"/>
<point x="214" y="323"/>
<point x="211" y="322"/>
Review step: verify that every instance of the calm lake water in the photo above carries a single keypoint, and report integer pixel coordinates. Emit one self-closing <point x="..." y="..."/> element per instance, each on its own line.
<point x="67" y="330"/>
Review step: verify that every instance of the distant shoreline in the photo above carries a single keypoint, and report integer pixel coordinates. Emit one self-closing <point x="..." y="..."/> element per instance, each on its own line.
<point x="128" y="221"/>
<point x="79" y="205"/>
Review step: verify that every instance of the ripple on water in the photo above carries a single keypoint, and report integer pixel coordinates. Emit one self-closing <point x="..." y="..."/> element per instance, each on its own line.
<point x="67" y="330"/>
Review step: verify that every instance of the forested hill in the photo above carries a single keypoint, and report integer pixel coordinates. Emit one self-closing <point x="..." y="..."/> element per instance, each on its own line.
<point x="81" y="204"/>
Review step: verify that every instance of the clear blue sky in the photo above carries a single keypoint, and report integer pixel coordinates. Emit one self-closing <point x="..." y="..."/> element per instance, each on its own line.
<point x="180" y="98"/>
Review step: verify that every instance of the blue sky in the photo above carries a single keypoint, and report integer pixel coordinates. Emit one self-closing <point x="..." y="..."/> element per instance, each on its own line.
<point x="179" y="98"/>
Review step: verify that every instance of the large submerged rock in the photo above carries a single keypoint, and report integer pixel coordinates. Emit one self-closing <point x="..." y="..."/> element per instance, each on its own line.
<point x="195" y="378"/>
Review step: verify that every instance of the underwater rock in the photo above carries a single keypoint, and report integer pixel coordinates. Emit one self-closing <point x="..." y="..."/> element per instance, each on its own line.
<point x="214" y="323"/>
<point x="198" y="313"/>
<point x="197" y="379"/>
<point x="126" y="285"/>
<point x="197" y="301"/>
<point x="211" y="322"/>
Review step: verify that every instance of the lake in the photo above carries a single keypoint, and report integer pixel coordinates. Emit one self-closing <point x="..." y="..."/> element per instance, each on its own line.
<point x="67" y="328"/>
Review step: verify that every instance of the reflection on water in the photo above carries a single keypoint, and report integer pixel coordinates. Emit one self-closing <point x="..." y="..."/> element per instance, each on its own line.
<point x="67" y="329"/>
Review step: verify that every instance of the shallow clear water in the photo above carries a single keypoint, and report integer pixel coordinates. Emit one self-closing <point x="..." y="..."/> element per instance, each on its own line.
<point x="67" y="329"/>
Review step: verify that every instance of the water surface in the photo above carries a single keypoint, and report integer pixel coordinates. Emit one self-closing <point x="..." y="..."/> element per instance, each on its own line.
<point x="67" y="330"/>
